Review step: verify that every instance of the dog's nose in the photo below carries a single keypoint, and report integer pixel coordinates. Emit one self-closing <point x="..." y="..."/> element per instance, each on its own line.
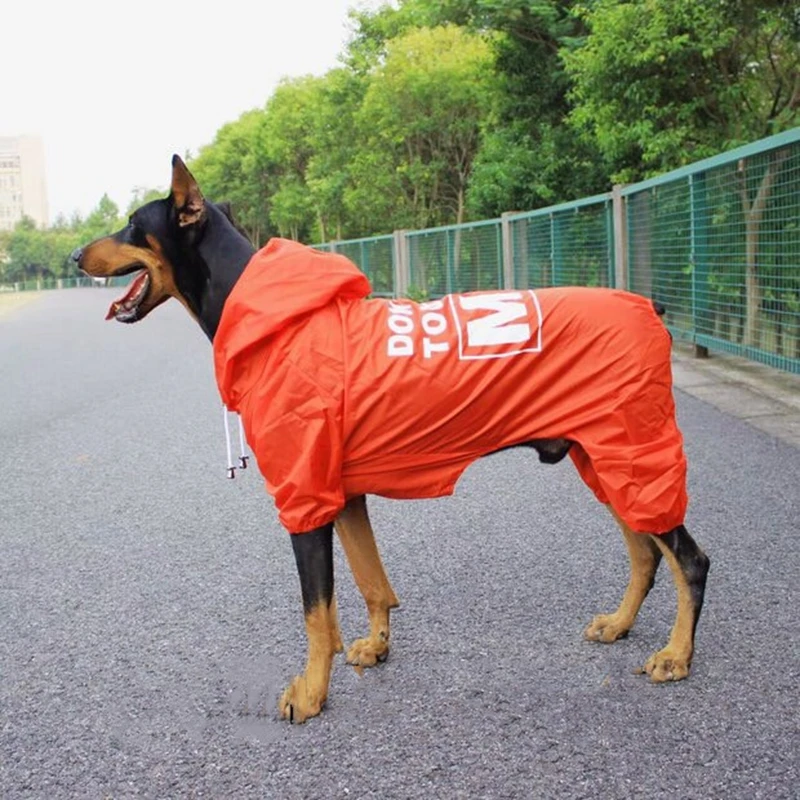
<point x="77" y="253"/>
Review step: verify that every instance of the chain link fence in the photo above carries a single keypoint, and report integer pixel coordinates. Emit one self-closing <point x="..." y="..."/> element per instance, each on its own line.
<point x="375" y="258"/>
<point x="458" y="258"/>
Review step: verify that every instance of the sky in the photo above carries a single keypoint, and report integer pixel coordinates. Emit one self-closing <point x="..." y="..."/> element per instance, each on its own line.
<point x="115" y="89"/>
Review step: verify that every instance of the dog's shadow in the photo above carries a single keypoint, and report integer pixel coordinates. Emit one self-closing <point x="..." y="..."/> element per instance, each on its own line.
<point x="253" y="686"/>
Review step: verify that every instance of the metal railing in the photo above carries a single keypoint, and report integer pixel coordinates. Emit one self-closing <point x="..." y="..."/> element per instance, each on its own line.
<point x="717" y="242"/>
<point x="42" y="284"/>
<point x="571" y="244"/>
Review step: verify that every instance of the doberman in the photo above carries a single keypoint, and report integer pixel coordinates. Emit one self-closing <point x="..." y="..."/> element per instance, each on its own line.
<point x="184" y="246"/>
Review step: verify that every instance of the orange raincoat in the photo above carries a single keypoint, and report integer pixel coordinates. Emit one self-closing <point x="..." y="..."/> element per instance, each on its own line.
<point x="342" y="396"/>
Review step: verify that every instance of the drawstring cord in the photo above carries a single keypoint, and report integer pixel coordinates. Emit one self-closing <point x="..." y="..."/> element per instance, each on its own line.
<point x="243" y="457"/>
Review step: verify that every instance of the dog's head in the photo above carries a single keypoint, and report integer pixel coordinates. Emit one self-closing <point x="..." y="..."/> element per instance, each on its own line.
<point x="161" y="246"/>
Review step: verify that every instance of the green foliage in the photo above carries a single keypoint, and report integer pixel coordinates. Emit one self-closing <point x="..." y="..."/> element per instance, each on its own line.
<point x="233" y="168"/>
<point x="28" y="252"/>
<point x="141" y="196"/>
<point x="448" y="110"/>
<point x="421" y="123"/>
<point x="661" y="83"/>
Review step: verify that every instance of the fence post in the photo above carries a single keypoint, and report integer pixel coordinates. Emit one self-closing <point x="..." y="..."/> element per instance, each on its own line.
<point x="699" y="259"/>
<point x="507" y="251"/>
<point x="402" y="271"/>
<point x="620" y="223"/>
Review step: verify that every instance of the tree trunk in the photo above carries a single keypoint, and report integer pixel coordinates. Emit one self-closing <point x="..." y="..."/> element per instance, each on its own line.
<point x="753" y="214"/>
<point x="457" y="242"/>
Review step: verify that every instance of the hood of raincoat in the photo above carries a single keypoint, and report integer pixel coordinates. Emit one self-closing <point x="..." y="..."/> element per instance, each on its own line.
<point x="284" y="281"/>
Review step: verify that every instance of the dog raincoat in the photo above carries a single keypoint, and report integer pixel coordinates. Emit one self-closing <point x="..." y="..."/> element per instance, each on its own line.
<point x="343" y="395"/>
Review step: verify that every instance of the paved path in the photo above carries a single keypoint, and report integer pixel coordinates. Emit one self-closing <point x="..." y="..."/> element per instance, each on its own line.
<point x="11" y="301"/>
<point x="150" y="612"/>
<point x="766" y="398"/>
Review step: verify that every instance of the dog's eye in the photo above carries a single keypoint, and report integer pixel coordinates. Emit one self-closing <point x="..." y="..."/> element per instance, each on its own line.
<point x="135" y="233"/>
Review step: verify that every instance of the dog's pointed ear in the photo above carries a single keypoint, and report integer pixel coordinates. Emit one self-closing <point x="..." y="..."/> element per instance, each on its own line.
<point x="188" y="198"/>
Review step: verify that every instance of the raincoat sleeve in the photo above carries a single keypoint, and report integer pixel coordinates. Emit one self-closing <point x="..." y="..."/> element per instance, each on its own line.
<point x="298" y="443"/>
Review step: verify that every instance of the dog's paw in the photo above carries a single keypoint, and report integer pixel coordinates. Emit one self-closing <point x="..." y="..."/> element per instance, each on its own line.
<point x="667" y="665"/>
<point x="367" y="652"/>
<point x="606" y="628"/>
<point x="297" y="703"/>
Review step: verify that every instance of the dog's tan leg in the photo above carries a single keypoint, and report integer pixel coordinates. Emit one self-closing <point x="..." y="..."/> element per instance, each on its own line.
<point x="338" y="644"/>
<point x="358" y="541"/>
<point x="307" y="693"/>
<point x="689" y="566"/>
<point x="644" y="557"/>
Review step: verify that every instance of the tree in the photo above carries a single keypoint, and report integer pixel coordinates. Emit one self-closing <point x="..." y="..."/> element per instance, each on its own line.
<point x="661" y="83"/>
<point x="104" y="219"/>
<point x="230" y="169"/>
<point x="141" y="195"/>
<point x="421" y="124"/>
<point x="528" y="157"/>
<point x="285" y="147"/>
<point x="34" y="253"/>
<point x="333" y="146"/>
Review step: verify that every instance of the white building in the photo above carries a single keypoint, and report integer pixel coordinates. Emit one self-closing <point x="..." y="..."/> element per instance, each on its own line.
<point x="23" y="190"/>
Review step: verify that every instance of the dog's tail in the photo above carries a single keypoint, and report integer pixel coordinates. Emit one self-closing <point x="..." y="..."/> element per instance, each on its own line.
<point x="660" y="310"/>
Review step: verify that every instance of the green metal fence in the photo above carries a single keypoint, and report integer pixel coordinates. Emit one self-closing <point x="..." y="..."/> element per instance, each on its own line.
<point x="455" y="258"/>
<point x="718" y="243"/>
<point x="375" y="258"/>
<point x="41" y="284"/>
<point x="566" y="245"/>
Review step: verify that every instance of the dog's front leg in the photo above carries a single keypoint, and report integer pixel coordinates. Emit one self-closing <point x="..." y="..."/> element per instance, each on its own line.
<point x="306" y="694"/>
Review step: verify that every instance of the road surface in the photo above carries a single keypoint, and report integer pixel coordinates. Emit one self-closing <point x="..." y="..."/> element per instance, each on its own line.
<point x="150" y="611"/>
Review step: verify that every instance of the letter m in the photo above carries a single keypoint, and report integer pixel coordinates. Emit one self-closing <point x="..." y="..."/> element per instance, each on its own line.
<point x="498" y="324"/>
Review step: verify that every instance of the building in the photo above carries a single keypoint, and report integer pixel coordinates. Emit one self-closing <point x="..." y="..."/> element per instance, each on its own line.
<point x="23" y="189"/>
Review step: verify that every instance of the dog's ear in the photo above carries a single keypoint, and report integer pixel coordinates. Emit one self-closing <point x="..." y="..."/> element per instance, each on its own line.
<point x="186" y="194"/>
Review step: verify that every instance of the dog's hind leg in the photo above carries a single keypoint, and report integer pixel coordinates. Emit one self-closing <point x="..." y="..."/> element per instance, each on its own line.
<point x="358" y="541"/>
<point x="689" y="566"/>
<point x="644" y="557"/>
<point x="306" y="694"/>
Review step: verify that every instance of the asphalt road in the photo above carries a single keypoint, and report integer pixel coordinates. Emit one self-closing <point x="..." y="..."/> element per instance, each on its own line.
<point x="150" y="610"/>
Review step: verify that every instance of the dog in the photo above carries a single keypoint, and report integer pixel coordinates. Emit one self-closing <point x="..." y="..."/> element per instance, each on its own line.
<point x="344" y="396"/>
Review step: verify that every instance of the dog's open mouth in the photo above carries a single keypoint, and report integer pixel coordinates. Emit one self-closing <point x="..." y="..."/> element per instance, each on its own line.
<point x="126" y="308"/>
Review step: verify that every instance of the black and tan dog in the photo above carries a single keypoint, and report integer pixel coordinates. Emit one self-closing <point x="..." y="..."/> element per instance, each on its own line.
<point x="186" y="247"/>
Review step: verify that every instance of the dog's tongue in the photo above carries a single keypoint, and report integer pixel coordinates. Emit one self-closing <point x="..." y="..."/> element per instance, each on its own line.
<point x="134" y="287"/>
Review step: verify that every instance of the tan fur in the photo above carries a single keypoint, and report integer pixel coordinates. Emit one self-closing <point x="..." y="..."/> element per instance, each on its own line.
<point x="644" y="562"/>
<point x="358" y="541"/>
<point x="105" y="256"/>
<point x="307" y="693"/>
<point x="672" y="662"/>
<point x="187" y="195"/>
